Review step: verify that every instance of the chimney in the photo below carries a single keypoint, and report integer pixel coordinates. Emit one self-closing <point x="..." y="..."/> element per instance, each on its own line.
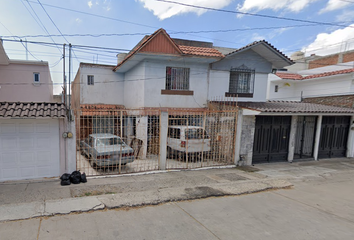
<point x="120" y="57"/>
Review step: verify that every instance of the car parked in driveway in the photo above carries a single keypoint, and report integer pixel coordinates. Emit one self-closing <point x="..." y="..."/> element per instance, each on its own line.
<point x="104" y="149"/>
<point x="193" y="140"/>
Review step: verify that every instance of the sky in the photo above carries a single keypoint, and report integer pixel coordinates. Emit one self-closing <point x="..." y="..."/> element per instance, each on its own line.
<point x="99" y="30"/>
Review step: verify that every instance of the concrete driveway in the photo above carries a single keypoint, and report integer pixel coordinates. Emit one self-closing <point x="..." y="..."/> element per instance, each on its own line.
<point x="143" y="165"/>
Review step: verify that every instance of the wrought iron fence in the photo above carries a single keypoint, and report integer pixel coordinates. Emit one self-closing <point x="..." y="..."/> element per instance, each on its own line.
<point x="119" y="141"/>
<point x="128" y="141"/>
<point x="201" y="139"/>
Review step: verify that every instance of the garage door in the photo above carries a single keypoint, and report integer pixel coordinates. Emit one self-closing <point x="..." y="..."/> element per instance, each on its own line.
<point x="271" y="139"/>
<point x="29" y="148"/>
<point x="334" y="136"/>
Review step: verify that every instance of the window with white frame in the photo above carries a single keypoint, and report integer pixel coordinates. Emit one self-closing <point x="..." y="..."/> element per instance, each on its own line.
<point x="90" y="80"/>
<point x="36" y="77"/>
<point x="241" y="81"/>
<point x="177" y="78"/>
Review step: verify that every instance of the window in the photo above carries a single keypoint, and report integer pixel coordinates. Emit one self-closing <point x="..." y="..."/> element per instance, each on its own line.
<point x="90" y="80"/>
<point x="241" y="82"/>
<point x="276" y="87"/>
<point x="177" y="78"/>
<point x="91" y="141"/>
<point x="109" y="141"/>
<point x="36" y="77"/>
<point x="174" y="133"/>
<point x="196" y="133"/>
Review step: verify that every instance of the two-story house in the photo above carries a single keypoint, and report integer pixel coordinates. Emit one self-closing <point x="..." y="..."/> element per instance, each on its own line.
<point x="31" y="123"/>
<point x="162" y="73"/>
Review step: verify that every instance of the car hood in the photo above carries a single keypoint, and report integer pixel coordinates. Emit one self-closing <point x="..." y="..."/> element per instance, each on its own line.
<point x="113" y="148"/>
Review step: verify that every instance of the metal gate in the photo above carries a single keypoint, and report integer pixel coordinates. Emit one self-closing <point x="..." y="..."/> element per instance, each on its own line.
<point x="334" y="136"/>
<point x="201" y="139"/>
<point x="128" y="141"/>
<point x="271" y="139"/>
<point x="117" y="141"/>
<point x="305" y="136"/>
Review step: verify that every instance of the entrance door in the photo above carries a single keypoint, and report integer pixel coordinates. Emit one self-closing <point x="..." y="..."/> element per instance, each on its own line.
<point x="334" y="136"/>
<point x="305" y="136"/>
<point x="271" y="139"/>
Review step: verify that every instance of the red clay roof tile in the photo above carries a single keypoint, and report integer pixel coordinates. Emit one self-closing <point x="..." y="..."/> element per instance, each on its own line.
<point x="330" y="73"/>
<point x="28" y="110"/>
<point x="294" y="107"/>
<point x="294" y="76"/>
<point x="285" y="75"/>
<point x="201" y="51"/>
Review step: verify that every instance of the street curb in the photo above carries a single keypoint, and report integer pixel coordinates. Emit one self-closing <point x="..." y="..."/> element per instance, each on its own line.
<point x="12" y="212"/>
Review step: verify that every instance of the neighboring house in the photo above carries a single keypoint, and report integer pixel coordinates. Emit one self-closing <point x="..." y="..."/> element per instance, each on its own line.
<point x="31" y="123"/>
<point x="320" y="82"/>
<point x="315" y="61"/>
<point x="24" y="80"/>
<point x="164" y="73"/>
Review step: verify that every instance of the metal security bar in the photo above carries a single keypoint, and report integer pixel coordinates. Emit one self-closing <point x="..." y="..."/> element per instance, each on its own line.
<point x="117" y="141"/>
<point x="177" y="78"/>
<point x="201" y="139"/>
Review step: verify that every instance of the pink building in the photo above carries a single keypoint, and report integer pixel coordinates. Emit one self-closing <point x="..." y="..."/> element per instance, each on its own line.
<point x="33" y="127"/>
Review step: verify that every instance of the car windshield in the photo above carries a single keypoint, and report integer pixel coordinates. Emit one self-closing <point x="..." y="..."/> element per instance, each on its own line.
<point x="196" y="133"/>
<point x="108" y="141"/>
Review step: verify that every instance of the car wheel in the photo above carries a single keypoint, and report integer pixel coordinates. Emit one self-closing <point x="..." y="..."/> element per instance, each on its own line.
<point x="92" y="163"/>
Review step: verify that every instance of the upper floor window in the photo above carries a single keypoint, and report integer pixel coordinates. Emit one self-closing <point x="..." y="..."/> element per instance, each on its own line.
<point x="241" y="82"/>
<point x="36" y="77"/>
<point x="90" y="80"/>
<point x="177" y="78"/>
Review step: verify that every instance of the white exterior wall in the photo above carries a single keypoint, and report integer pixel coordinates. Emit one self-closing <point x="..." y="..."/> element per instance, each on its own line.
<point x="325" y="86"/>
<point x="134" y="83"/>
<point x="108" y="86"/>
<point x="156" y="81"/>
<point x="334" y="85"/>
<point x="286" y="89"/>
<point x="219" y="85"/>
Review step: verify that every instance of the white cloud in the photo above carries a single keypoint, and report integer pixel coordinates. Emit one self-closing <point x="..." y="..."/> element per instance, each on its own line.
<point x="346" y="16"/>
<point x="257" y="37"/>
<point x="277" y="32"/>
<point x="166" y="10"/>
<point x="78" y="20"/>
<point x="258" y="5"/>
<point x="334" y="5"/>
<point x="89" y="3"/>
<point x="329" y="43"/>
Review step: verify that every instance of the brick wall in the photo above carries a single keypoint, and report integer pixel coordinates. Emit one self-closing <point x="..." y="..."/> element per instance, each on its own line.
<point x="338" y="101"/>
<point x="322" y="62"/>
<point x="348" y="57"/>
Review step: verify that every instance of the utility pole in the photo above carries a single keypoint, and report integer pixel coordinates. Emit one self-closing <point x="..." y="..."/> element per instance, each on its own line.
<point x="69" y="74"/>
<point x="64" y="78"/>
<point x="26" y="49"/>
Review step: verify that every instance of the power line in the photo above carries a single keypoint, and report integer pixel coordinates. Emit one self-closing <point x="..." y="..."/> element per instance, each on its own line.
<point x="253" y="14"/>
<point x="346" y="1"/>
<point x="96" y="15"/>
<point x="45" y="29"/>
<point x="61" y="34"/>
<point x="172" y="32"/>
<point x="20" y="41"/>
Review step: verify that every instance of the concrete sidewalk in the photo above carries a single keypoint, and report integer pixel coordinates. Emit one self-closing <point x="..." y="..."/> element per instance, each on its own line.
<point x="28" y="199"/>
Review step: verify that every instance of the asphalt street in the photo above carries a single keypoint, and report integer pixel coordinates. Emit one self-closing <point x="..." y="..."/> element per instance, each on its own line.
<point x="314" y="208"/>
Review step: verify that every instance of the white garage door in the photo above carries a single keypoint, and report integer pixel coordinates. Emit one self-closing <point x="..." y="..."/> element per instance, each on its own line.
<point x="29" y="148"/>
